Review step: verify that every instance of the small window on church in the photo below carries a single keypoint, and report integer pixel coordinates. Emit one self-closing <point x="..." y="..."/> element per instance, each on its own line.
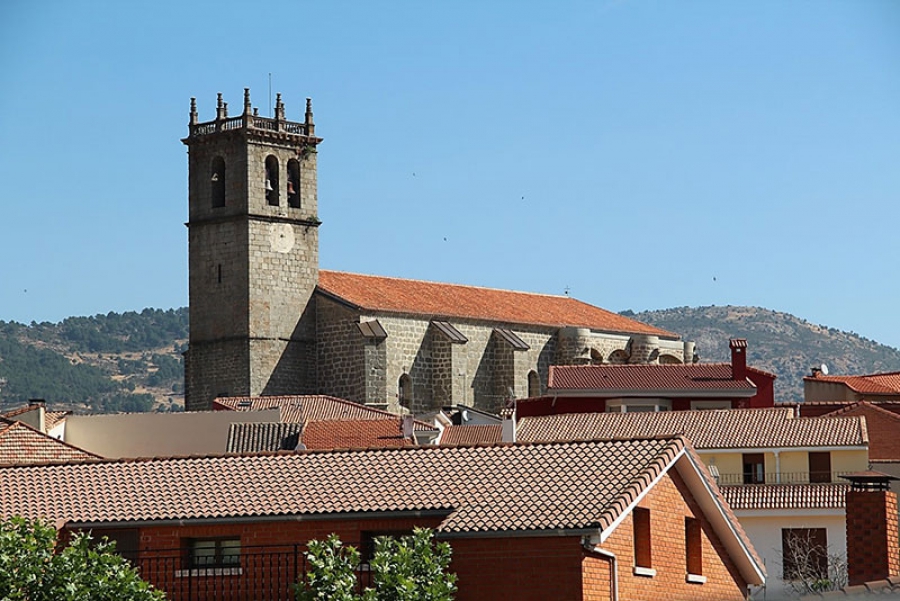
<point x="272" y="181"/>
<point x="293" y="184"/>
<point x="217" y="182"/>
<point x="534" y="384"/>
<point x="404" y="390"/>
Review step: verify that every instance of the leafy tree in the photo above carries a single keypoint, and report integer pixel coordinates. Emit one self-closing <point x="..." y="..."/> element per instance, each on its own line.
<point x="410" y="568"/>
<point x="330" y="572"/>
<point x="33" y="569"/>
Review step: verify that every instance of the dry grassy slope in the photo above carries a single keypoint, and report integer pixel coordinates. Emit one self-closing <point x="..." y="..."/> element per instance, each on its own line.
<point x="778" y="342"/>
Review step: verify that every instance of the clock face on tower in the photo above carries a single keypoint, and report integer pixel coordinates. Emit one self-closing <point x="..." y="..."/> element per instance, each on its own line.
<point x="281" y="237"/>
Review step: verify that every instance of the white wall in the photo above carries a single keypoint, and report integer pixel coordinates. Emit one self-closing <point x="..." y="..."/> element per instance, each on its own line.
<point x="158" y="434"/>
<point x="764" y="530"/>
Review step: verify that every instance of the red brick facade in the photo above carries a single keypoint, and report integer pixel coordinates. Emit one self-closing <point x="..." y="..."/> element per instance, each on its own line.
<point x="497" y="568"/>
<point x="873" y="550"/>
<point x="669" y="503"/>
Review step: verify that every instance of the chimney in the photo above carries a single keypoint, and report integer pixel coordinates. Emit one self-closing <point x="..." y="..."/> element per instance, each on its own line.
<point x="873" y="550"/>
<point x="406" y="426"/>
<point x="738" y="358"/>
<point x="508" y="423"/>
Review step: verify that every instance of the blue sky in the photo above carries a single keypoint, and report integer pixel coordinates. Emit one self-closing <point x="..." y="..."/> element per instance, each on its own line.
<point x="640" y="154"/>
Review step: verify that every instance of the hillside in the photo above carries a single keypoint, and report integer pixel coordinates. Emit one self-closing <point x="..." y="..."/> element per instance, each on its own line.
<point x="132" y="361"/>
<point x="780" y="343"/>
<point x="106" y="363"/>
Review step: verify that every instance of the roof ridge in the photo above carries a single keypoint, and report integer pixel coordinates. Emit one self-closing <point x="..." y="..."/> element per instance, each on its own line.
<point x="397" y="278"/>
<point x="361" y="450"/>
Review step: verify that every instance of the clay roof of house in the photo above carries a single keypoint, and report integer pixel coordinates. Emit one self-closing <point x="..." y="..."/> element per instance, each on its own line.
<point x="785" y="496"/>
<point x="481" y="488"/>
<point x="883" y="383"/>
<point x="310" y="408"/>
<point x="52" y="418"/>
<point x="465" y="435"/>
<point x="711" y="429"/>
<point x="670" y="377"/>
<point x="263" y="436"/>
<point x="359" y="434"/>
<point x="416" y="297"/>
<point x="22" y="444"/>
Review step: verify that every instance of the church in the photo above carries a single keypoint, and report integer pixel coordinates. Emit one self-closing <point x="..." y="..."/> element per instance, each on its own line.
<point x="265" y="320"/>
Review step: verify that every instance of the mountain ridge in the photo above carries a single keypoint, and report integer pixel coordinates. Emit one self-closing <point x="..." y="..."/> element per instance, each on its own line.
<point x="781" y="343"/>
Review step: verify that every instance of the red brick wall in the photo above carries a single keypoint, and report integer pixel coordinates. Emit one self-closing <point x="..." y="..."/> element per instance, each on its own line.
<point x="873" y="550"/>
<point x="520" y="569"/>
<point x="596" y="578"/>
<point x="669" y="503"/>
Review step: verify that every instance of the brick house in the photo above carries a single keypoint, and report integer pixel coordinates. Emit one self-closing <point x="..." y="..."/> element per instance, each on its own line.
<point x="624" y="519"/>
<point x="265" y="320"/>
<point x="781" y="475"/>
<point x="654" y="387"/>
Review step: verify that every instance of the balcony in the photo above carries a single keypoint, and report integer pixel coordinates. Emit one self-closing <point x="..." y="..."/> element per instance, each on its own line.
<point x="267" y="573"/>
<point x="781" y="478"/>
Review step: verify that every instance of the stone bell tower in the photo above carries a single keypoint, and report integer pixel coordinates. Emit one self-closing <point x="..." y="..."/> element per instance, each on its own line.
<point x="253" y="251"/>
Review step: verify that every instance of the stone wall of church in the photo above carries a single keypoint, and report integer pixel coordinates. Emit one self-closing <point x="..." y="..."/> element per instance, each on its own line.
<point x="483" y="372"/>
<point x="340" y="351"/>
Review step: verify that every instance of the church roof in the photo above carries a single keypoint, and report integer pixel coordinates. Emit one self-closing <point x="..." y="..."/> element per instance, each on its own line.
<point x="395" y="295"/>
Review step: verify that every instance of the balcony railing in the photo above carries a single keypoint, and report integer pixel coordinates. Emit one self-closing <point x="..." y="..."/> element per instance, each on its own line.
<point x="247" y="121"/>
<point x="268" y="573"/>
<point x="782" y="478"/>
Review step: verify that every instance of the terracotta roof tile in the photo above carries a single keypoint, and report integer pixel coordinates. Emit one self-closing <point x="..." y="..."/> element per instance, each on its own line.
<point x="263" y="436"/>
<point x="52" y="418"/>
<point x="464" y="435"/>
<point x="360" y="434"/>
<point x="22" y="444"/>
<point x="394" y="295"/>
<point x="883" y="383"/>
<point x="687" y="377"/>
<point x="310" y="408"/>
<point x="482" y="488"/>
<point x="785" y="496"/>
<point x="713" y="429"/>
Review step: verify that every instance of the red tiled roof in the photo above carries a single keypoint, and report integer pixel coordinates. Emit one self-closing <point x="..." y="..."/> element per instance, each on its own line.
<point x="394" y="295"/>
<point x="785" y="496"/>
<point x="22" y="444"/>
<point x="359" y="434"/>
<point x="884" y="383"/>
<point x="712" y="429"/>
<point x="310" y="408"/>
<point x="669" y="377"/>
<point x="482" y="488"/>
<point x="52" y="418"/>
<point x="463" y="435"/>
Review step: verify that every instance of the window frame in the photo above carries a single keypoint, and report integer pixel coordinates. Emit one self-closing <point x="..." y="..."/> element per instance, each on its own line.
<point x="817" y="538"/>
<point x="753" y="475"/>
<point x="220" y="559"/>
<point x="693" y="546"/>
<point x="643" y="542"/>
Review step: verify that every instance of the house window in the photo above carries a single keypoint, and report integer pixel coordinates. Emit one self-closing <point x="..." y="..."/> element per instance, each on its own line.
<point x="217" y="182"/>
<point x="804" y="553"/>
<point x="642" y="543"/>
<point x="754" y="468"/>
<point x="693" y="546"/>
<point x="271" y="182"/>
<point x="215" y="552"/>
<point x="820" y="467"/>
<point x="638" y="405"/>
